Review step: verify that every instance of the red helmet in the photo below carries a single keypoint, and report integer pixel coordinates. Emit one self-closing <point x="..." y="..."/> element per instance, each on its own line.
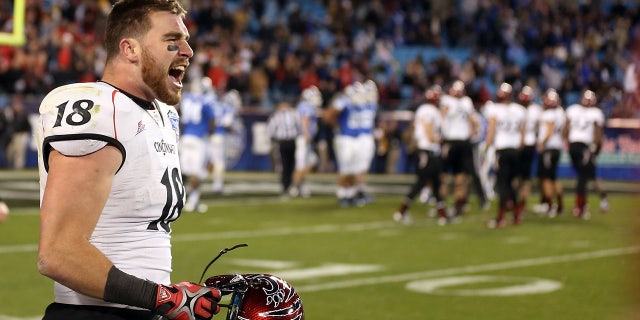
<point x="258" y="296"/>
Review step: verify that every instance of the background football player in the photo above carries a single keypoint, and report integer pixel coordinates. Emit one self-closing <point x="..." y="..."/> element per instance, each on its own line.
<point x="343" y="115"/>
<point x="197" y="122"/>
<point x="549" y="145"/>
<point x="308" y="107"/>
<point x="528" y="153"/>
<point x="427" y="124"/>
<point x="457" y="129"/>
<point x="225" y="113"/>
<point x="504" y="133"/>
<point x="584" y="134"/>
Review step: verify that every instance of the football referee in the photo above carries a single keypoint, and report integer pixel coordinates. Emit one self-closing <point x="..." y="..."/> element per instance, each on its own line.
<point x="284" y="127"/>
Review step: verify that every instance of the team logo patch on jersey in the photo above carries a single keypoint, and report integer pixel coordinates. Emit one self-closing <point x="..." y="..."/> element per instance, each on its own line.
<point x="174" y="119"/>
<point x="141" y="127"/>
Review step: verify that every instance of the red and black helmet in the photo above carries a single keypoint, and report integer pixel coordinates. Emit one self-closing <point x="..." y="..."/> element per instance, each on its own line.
<point x="258" y="296"/>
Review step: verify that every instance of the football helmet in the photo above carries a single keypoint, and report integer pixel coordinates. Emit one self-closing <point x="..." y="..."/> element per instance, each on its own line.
<point x="433" y="93"/>
<point x="258" y="296"/>
<point x="233" y="98"/>
<point x="457" y="88"/>
<point x="526" y="95"/>
<point x="589" y="98"/>
<point x="551" y="98"/>
<point x="504" y="91"/>
<point x="371" y="91"/>
<point x="357" y="93"/>
<point x="313" y="96"/>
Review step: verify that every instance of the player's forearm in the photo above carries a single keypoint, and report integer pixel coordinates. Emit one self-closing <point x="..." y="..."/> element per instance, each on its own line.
<point x="80" y="267"/>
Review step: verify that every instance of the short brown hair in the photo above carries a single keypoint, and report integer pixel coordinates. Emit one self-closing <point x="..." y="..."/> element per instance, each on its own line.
<point x="130" y="18"/>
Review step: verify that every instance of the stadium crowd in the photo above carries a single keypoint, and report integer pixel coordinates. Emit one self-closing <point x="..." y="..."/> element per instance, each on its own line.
<point x="271" y="50"/>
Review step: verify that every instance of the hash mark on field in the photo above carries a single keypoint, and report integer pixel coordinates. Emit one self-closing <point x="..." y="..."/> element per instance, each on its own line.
<point x="470" y="269"/>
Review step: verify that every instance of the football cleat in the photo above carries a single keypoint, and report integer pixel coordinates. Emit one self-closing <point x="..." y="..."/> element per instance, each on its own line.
<point x="604" y="205"/>
<point x="496" y="223"/>
<point x="404" y="218"/>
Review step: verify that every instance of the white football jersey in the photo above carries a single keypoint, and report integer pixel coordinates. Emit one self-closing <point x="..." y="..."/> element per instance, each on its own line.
<point x="531" y="124"/>
<point x="427" y="113"/>
<point x="509" y="119"/>
<point x="557" y="117"/>
<point x="582" y="123"/>
<point x="456" y="122"/>
<point x="147" y="193"/>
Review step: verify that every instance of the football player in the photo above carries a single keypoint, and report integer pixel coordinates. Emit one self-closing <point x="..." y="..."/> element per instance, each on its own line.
<point x="110" y="177"/>
<point x="308" y="106"/>
<point x="504" y="133"/>
<point x="197" y="122"/>
<point x="549" y="146"/>
<point x="528" y="152"/>
<point x="366" y="140"/>
<point x="225" y="113"/>
<point x="584" y="134"/>
<point x="343" y="115"/>
<point x="458" y="126"/>
<point x="427" y="124"/>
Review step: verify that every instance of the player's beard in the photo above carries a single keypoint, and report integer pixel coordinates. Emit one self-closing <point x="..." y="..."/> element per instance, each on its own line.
<point x="156" y="79"/>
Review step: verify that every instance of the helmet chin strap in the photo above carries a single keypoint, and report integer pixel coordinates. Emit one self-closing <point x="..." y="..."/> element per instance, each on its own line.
<point x="223" y="251"/>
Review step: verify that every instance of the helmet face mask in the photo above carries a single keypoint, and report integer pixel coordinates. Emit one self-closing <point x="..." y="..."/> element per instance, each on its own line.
<point x="258" y="296"/>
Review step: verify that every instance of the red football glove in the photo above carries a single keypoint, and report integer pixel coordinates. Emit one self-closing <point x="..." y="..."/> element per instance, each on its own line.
<point x="187" y="301"/>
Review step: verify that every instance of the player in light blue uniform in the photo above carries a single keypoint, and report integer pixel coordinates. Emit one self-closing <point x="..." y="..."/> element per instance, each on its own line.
<point x="344" y="114"/>
<point x="197" y="121"/>
<point x="225" y="113"/>
<point x="305" y="157"/>
<point x="366" y="141"/>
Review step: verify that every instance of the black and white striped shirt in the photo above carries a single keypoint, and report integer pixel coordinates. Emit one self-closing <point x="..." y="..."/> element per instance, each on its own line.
<point x="285" y="124"/>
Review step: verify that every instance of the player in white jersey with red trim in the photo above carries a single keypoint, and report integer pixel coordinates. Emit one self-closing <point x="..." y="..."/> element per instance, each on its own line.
<point x="505" y="129"/>
<point x="110" y="178"/>
<point x="584" y="134"/>
<point x="549" y="146"/>
<point x="458" y="127"/>
<point x="427" y="124"/>
<point x="306" y="158"/>
<point x="528" y="153"/>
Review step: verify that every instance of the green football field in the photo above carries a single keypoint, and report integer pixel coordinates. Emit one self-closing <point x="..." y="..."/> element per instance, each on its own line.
<point x="356" y="263"/>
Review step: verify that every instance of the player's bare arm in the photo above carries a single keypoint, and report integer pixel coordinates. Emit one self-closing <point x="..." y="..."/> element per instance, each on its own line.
<point x="76" y="191"/>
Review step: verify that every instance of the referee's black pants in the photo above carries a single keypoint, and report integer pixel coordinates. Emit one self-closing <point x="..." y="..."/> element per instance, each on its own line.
<point x="288" y="158"/>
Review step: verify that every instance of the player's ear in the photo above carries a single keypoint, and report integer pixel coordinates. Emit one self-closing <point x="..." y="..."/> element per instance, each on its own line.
<point x="130" y="49"/>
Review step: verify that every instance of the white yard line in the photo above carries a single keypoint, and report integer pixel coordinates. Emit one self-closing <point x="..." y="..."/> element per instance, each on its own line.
<point x="470" y="269"/>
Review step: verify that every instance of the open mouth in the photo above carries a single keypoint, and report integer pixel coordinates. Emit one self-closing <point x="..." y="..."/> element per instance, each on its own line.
<point x="176" y="74"/>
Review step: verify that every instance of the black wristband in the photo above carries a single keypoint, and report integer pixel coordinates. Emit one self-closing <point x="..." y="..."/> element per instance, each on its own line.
<point x="129" y="290"/>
